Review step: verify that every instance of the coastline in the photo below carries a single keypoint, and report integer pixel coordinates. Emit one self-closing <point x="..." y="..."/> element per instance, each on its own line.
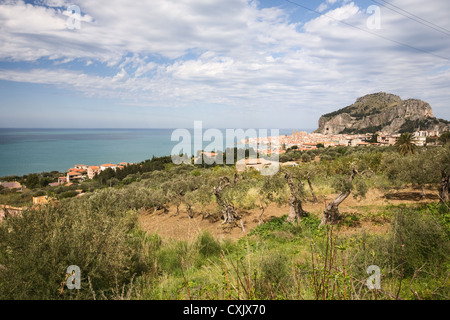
<point x="25" y="151"/>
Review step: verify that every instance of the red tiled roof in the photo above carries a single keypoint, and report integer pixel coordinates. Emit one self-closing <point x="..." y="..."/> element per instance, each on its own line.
<point x="74" y="173"/>
<point x="108" y="165"/>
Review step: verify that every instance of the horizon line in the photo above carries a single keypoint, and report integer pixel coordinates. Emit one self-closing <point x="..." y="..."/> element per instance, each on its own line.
<point x="97" y="128"/>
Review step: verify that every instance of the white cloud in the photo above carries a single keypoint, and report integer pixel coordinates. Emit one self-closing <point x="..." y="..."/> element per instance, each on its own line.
<point x="322" y="7"/>
<point x="181" y="52"/>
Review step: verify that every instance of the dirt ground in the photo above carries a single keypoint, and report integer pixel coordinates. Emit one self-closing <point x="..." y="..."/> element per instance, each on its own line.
<point x="181" y="227"/>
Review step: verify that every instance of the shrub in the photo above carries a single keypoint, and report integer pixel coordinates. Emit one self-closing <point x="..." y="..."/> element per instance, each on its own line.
<point x="39" y="193"/>
<point x="207" y="245"/>
<point x="37" y="247"/>
<point x="306" y="158"/>
<point x="68" y="194"/>
<point x="424" y="241"/>
<point x="275" y="272"/>
<point x="172" y="257"/>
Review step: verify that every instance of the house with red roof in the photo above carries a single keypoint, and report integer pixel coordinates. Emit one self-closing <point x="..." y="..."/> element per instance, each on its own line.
<point x="62" y="180"/>
<point x="103" y="167"/>
<point x="75" y="175"/>
<point x="92" y="171"/>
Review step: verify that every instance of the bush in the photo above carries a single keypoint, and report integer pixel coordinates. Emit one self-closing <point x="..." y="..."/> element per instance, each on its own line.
<point x="68" y="194"/>
<point x="306" y="158"/>
<point x="172" y="257"/>
<point x="207" y="245"/>
<point x="266" y="229"/>
<point x="37" y="247"/>
<point x="423" y="238"/>
<point x="275" y="272"/>
<point x="129" y="179"/>
<point x="424" y="241"/>
<point x="39" y="193"/>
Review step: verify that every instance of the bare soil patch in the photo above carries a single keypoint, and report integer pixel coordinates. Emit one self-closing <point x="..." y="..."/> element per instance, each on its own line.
<point x="182" y="227"/>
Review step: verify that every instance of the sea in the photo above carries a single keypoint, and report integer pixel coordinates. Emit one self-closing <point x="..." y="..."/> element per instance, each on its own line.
<point x="25" y="151"/>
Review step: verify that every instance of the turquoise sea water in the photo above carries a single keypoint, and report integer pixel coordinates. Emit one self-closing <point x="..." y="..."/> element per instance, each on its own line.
<point x="24" y="151"/>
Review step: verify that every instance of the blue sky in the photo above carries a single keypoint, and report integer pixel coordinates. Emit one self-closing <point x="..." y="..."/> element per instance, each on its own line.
<point x="234" y="63"/>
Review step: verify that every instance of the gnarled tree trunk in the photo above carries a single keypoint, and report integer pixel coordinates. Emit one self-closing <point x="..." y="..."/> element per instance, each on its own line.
<point x="296" y="211"/>
<point x="189" y="210"/>
<point x="263" y="208"/>
<point x="331" y="214"/>
<point x="229" y="213"/>
<point x="311" y="189"/>
<point x="444" y="188"/>
<point x="179" y="201"/>
<point x="160" y="207"/>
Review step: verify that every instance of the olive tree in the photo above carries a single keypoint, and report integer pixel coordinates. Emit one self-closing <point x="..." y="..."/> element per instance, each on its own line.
<point x="350" y="175"/>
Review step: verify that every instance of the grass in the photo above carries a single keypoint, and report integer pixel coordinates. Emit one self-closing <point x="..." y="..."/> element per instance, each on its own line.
<point x="279" y="260"/>
<point x="17" y="199"/>
<point x="275" y="260"/>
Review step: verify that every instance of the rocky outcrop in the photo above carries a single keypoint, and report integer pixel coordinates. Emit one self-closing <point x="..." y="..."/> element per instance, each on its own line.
<point x="382" y="112"/>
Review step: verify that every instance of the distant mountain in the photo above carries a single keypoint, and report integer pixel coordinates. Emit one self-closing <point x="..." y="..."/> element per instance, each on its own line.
<point x="382" y="112"/>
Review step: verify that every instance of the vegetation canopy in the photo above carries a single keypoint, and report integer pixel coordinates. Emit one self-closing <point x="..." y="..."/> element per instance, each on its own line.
<point x="294" y="235"/>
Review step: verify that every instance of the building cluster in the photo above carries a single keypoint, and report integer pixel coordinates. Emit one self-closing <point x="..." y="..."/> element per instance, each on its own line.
<point x="419" y="137"/>
<point x="81" y="172"/>
<point x="303" y="141"/>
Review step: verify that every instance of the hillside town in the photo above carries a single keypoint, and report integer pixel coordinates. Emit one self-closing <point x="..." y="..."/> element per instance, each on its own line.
<point x="303" y="141"/>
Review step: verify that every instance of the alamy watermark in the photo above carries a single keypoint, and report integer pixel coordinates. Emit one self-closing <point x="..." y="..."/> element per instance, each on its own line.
<point x="374" y="21"/>
<point x="74" y="279"/>
<point x="259" y="142"/>
<point x="374" y="281"/>
<point x="74" y="19"/>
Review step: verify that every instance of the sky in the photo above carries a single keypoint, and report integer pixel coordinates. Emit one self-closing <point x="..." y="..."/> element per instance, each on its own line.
<point x="229" y="64"/>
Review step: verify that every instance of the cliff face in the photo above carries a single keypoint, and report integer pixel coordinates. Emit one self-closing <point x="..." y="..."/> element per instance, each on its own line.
<point x="382" y="112"/>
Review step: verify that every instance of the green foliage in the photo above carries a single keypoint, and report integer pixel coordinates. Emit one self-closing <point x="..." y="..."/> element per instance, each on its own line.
<point x="172" y="257"/>
<point x="307" y="226"/>
<point x="32" y="181"/>
<point x="306" y="157"/>
<point x="16" y="199"/>
<point x="405" y="144"/>
<point x="275" y="270"/>
<point x="440" y="211"/>
<point x="39" y="193"/>
<point x="445" y="138"/>
<point x="208" y="246"/>
<point x="414" y="125"/>
<point x="99" y="231"/>
<point x="68" y="194"/>
<point x="422" y="168"/>
<point x="374" y="138"/>
<point x="37" y="247"/>
<point x="265" y="229"/>
<point x="417" y="238"/>
<point x="196" y="172"/>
